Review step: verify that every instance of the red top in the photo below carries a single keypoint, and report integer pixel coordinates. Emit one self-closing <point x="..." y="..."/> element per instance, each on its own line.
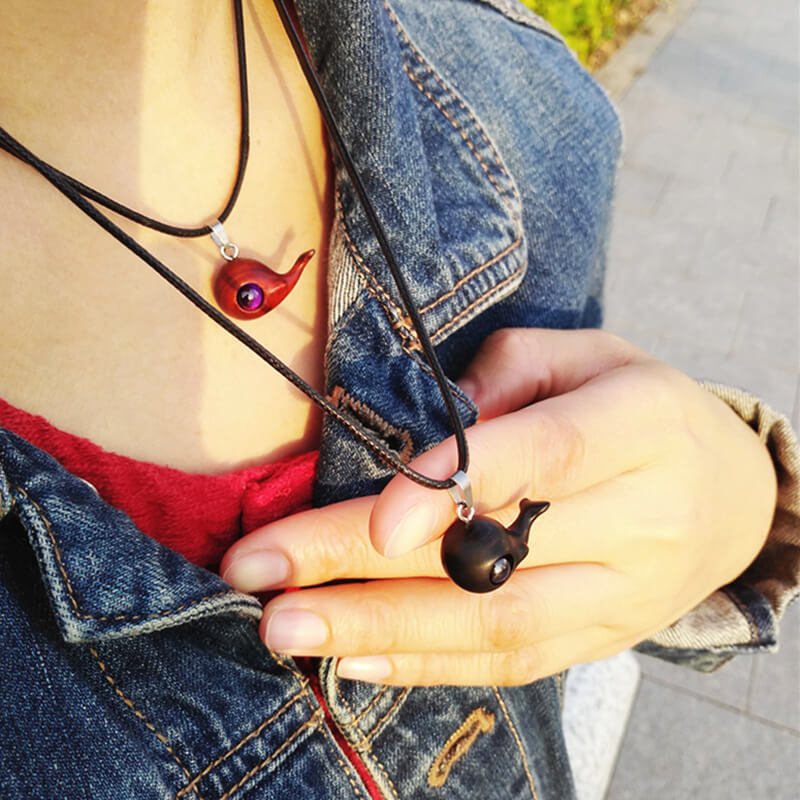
<point x="199" y="516"/>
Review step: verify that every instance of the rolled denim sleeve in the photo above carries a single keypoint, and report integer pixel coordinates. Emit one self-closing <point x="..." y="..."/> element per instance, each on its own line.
<point x="743" y="616"/>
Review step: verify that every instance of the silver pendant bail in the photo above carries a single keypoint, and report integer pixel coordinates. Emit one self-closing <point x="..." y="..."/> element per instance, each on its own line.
<point x="227" y="249"/>
<point x="462" y="496"/>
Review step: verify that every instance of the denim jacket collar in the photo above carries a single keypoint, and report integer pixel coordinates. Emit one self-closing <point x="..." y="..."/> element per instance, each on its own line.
<point x="452" y="214"/>
<point x="104" y="577"/>
<point x="447" y="202"/>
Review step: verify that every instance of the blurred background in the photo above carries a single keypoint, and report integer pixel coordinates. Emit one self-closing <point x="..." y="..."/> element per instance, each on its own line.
<point x="594" y="28"/>
<point x="704" y="273"/>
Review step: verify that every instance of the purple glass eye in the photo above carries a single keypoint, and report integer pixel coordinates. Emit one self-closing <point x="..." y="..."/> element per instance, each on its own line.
<point x="250" y="297"/>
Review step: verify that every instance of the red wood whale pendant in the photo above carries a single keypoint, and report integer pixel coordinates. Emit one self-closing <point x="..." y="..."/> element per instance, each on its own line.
<point x="246" y="289"/>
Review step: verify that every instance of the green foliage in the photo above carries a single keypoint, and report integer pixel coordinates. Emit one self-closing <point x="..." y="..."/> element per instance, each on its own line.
<point x="583" y="23"/>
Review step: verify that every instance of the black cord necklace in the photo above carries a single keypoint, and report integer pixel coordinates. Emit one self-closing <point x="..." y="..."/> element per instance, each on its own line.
<point x="477" y="552"/>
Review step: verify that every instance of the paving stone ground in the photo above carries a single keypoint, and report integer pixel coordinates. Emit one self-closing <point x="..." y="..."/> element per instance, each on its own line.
<point x="703" y="272"/>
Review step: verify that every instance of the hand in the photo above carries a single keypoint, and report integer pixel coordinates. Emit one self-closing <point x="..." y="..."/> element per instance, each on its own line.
<point x="660" y="495"/>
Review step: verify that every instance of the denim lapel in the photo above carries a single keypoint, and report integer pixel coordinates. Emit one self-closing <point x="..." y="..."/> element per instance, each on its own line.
<point x="451" y="213"/>
<point x="448" y="205"/>
<point x="104" y="578"/>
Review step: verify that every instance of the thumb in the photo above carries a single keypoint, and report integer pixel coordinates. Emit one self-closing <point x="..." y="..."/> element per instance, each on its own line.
<point x="517" y="366"/>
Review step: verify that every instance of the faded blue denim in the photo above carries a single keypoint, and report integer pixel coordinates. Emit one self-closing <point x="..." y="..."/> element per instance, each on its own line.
<point x="125" y="671"/>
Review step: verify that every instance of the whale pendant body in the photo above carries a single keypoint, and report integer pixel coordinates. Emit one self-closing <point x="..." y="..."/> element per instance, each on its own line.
<point x="245" y="288"/>
<point x="481" y="555"/>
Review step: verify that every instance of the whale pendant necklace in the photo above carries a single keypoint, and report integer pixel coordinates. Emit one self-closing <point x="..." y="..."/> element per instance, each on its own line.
<point x="477" y="552"/>
<point x="244" y="288"/>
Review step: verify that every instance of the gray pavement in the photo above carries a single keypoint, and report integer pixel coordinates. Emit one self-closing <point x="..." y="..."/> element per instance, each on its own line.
<point x="703" y="272"/>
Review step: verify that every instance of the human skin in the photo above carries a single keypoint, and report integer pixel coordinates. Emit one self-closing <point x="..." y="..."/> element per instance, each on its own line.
<point x="660" y="495"/>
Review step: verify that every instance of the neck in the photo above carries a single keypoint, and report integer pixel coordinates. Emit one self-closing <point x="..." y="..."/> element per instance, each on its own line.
<point x="72" y="60"/>
<point x="122" y="88"/>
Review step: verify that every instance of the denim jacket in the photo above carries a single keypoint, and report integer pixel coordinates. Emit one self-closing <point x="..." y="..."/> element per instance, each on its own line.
<point x="126" y="671"/>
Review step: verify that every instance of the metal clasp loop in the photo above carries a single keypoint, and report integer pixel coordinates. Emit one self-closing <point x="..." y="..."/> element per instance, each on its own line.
<point x="462" y="496"/>
<point x="227" y="249"/>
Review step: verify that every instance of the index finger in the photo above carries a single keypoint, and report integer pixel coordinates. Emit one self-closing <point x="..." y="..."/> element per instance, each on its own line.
<point x="553" y="449"/>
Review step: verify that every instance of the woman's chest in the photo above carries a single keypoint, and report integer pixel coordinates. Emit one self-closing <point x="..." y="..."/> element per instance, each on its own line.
<point x="104" y="348"/>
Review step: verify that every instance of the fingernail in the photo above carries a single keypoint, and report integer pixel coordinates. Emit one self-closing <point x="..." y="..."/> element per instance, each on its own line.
<point x="295" y="630"/>
<point x="413" y="530"/>
<point x="367" y="668"/>
<point x="256" y="571"/>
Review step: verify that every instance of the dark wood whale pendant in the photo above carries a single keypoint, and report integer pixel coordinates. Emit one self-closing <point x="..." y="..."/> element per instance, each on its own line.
<point x="480" y="555"/>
